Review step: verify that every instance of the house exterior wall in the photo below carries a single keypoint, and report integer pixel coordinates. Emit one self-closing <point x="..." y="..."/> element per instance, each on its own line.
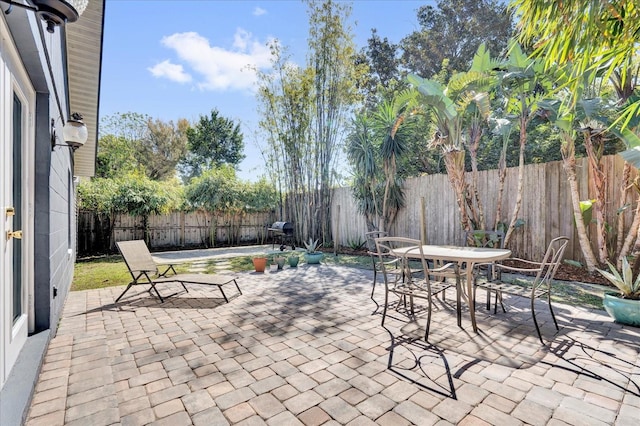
<point x="52" y="237"/>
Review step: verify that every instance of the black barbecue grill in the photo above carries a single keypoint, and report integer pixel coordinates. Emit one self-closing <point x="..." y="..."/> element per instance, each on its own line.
<point x="283" y="233"/>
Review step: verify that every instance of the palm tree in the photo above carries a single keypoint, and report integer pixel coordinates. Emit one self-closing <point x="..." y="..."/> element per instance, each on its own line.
<point x="362" y="154"/>
<point x="374" y="147"/>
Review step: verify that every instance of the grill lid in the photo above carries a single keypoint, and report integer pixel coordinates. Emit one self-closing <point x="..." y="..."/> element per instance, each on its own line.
<point x="283" y="227"/>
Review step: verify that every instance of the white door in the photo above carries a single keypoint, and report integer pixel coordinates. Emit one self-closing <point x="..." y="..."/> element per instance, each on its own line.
<point x="16" y="204"/>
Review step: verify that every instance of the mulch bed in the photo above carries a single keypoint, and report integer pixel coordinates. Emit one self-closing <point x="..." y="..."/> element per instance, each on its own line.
<point x="567" y="272"/>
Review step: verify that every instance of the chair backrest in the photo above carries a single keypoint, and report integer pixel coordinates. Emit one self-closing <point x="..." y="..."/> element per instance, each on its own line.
<point x="484" y="238"/>
<point x="551" y="261"/>
<point x="137" y="256"/>
<point x="385" y="247"/>
<point x="371" y="239"/>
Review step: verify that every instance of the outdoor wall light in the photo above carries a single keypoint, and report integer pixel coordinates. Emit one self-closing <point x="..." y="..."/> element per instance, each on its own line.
<point x="75" y="132"/>
<point x="53" y="12"/>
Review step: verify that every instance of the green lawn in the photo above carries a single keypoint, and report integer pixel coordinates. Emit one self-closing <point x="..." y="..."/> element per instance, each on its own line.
<point x="100" y="272"/>
<point x="107" y="271"/>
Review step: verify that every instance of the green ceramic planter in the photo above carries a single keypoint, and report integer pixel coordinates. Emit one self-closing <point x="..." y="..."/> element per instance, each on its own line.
<point x="293" y="261"/>
<point x="623" y="311"/>
<point x="313" y="258"/>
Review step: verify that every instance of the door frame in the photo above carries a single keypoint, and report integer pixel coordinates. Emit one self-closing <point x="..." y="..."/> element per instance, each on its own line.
<point x="14" y="81"/>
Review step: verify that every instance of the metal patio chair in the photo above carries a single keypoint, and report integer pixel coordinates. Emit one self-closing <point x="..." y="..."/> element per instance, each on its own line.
<point x="540" y="287"/>
<point x="373" y="254"/>
<point x="485" y="239"/>
<point x="406" y="284"/>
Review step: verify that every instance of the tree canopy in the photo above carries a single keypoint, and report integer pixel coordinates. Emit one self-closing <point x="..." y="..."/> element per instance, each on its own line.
<point x="213" y="141"/>
<point x="132" y="142"/>
<point x="453" y="30"/>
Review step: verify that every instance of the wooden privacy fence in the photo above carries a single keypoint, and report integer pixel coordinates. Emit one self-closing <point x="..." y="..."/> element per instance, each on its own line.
<point x="546" y="210"/>
<point x="546" y="207"/>
<point x="172" y="230"/>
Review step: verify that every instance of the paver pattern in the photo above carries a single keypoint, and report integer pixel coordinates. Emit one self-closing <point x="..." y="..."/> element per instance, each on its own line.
<point x="303" y="346"/>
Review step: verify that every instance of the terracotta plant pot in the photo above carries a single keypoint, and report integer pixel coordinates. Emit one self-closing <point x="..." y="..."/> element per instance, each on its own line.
<point x="260" y="263"/>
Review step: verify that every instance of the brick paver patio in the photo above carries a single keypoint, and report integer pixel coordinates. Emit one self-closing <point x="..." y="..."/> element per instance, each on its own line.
<point x="301" y="346"/>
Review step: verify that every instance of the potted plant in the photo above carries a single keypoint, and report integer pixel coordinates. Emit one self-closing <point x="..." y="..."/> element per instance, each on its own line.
<point x="260" y="263"/>
<point x="623" y="307"/>
<point x="279" y="261"/>
<point x="311" y="256"/>
<point x="293" y="260"/>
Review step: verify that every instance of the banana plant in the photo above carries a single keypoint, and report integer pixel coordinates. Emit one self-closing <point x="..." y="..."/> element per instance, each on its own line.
<point x="523" y="83"/>
<point x="457" y="111"/>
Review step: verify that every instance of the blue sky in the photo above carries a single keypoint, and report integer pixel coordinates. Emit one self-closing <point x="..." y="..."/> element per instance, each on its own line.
<point x="182" y="58"/>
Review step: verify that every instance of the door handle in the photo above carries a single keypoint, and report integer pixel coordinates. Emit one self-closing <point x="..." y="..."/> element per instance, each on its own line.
<point x="14" y="234"/>
<point x="9" y="211"/>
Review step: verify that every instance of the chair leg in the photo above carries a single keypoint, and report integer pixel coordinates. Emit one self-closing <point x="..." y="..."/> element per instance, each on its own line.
<point x="498" y="299"/>
<point x="125" y="290"/>
<point x="375" y="279"/>
<point x="153" y="286"/>
<point x="489" y="299"/>
<point x="237" y="286"/>
<point x="223" y="295"/>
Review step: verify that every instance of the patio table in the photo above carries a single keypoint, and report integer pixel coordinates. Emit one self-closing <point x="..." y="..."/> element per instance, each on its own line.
<point x="469" y="255"/>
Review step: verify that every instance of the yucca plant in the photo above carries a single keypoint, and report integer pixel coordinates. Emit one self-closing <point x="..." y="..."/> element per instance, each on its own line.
<point x="629" y="288"/>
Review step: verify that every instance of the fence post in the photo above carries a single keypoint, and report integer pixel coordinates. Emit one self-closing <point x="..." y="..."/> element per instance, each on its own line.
<point x="337" y="239"/>
<point x="182" y="228"/>
<point x="423" y="222"/>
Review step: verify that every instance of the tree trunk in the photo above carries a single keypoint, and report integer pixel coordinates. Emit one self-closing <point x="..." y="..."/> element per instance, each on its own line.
<point x="594" y="145"/>
<point x="632" y="235"/>
<point x="569" y="164"/>
<point x="502" y="175"/>
<point x="454" y="163"/>
<point x="516" y="207"/>
<point x="477" y="210"/>
<point x="624" y="190"/>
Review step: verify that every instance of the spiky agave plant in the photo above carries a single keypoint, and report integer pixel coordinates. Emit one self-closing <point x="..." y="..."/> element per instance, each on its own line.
<point x="311" y="246"/>
<point x="629" y="288"/>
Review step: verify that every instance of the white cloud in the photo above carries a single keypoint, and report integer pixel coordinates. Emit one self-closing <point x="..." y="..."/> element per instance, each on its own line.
<point x="221" y="69"/>
<point x="173" y="72"/>
<point x="258" y="11"/>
